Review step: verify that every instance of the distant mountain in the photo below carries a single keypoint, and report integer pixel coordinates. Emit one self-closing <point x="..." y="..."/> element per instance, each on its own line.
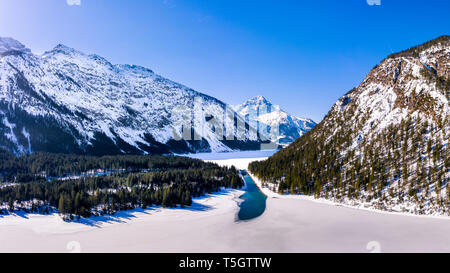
<point x="260" y="110"/>
<point x="384" y="144"/>
<point x="65" y="101"/>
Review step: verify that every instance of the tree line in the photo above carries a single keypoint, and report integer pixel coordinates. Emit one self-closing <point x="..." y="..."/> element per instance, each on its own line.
<point x="175" y="181"/>
<point x="38" y="166"/>
<point x="408" y="161"/>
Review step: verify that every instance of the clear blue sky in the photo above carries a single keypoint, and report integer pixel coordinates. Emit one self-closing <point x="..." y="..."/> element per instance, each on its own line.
<point x="302" y="55"/>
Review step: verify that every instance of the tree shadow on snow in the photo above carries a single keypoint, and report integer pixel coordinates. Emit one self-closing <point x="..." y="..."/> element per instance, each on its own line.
<point x="128" y="215"/>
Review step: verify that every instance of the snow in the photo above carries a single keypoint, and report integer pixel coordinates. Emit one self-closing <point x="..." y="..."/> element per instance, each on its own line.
<point x="239" y="160"/>
<point x="289" y="224"/>
<point x="124" y="100"/>
<point x="357" y="206"/>
<point x="278" y="125"/>
<point x="9" y="44"/>
<point x="233" y="155"/>
<point x="11" y="135"/>
<point x="130" y="231"/>
<point x="383" y="100"/>
<point x="27" y="136"/>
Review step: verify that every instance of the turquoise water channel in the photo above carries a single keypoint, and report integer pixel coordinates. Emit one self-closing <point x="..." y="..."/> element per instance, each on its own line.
<point x="254" y="203"/>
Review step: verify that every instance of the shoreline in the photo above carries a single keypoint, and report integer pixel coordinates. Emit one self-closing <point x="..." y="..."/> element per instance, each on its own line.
<point x="290" y="224"/>
<point x="322" y="200"/>
<point x="242" y="163"/>
<point x="53" y="224"/>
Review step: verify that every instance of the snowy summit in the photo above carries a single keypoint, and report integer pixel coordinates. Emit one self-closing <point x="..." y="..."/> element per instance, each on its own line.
<point x="261" y="111"/>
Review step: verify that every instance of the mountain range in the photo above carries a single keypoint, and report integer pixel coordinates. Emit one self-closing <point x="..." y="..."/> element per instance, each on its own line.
<point x="66" y="101"/>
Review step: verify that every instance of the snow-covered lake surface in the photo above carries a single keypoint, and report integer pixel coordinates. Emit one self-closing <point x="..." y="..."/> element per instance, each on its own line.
<point x="289" y="224"/>
<point x="238" y="159"/>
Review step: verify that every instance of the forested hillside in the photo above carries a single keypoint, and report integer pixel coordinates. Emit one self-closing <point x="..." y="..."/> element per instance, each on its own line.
<point x="84" y="186"/>
<point x="383" y="145"/>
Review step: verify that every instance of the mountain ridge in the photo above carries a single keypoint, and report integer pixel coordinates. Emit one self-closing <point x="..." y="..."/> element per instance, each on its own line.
<point x="66" y="101"/>
<point x="383" y="145"/>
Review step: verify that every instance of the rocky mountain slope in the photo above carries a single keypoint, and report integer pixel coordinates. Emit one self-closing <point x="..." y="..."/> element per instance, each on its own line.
<point x="384" y="144"/>
<point x="285" y="128"/>
<point x="65" y="101"/>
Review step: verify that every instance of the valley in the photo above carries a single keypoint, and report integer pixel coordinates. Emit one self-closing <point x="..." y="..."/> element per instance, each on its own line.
<point x="289" y="224"/>
<point x="96" y="157"/>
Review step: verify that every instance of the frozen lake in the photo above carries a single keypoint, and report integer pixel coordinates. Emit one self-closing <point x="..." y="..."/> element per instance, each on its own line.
<point x="288" y="224"/>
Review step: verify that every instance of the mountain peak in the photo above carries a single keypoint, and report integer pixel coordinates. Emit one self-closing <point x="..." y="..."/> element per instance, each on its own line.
<point x="64" y="50"/>
<point x="258" y="101"/>
<point x="60" y="48"/>
<point x="415" y="51"/>
<point x="260" y="98"/>
<point x="10" y="46"/>
<point x="289" y="127"/>
<point x="254" y="104"/>
<point x="405" y="75"/>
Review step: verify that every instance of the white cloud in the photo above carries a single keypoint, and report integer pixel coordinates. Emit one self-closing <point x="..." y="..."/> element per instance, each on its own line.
<point x="73" y="2"/>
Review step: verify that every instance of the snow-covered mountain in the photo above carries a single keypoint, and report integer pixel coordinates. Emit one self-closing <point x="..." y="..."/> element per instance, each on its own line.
<point x="259" y="110"/>
<point x="66" y="101"/>
<point x="384" y="144"/>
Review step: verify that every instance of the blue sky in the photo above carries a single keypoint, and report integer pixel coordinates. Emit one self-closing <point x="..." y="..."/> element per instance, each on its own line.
<point x="302" y="55"/>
